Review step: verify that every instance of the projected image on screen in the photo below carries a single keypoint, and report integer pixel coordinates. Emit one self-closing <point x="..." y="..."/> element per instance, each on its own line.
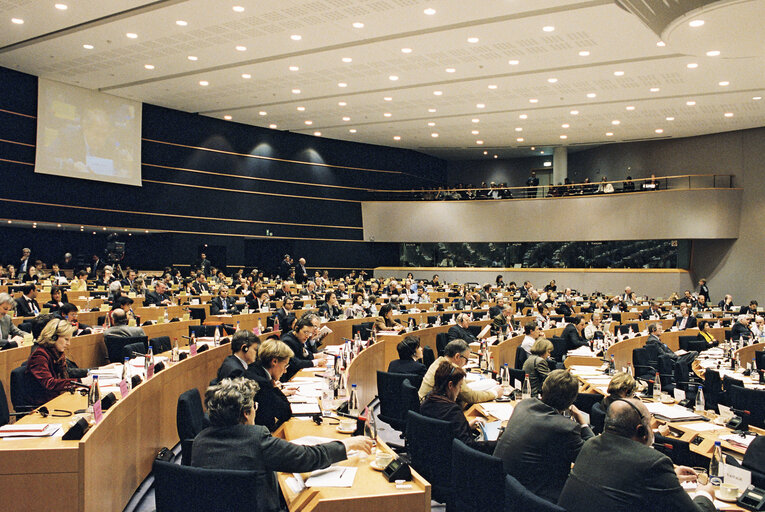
<point x="87" y="134"/>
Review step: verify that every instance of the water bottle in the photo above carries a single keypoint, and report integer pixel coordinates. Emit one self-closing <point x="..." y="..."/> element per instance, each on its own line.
<point x="657" y="387"/>
<point x="630" y="371"/>
<point x="526" y="392"/>
<point x="126" y="374"/>
<point x="327" y="392"/>
<point x="505" y="377"/>
<point x="353" y="401"/>
<point x="176" y="351"/>
<point x="699" y="407"/>
<point x="716" y="464"/>
<point x="94" y="394"/>
<point x="238" y="327"/>
<point x="612" y="366"/>
<point x="216" y="337"/>
<point x="166" y="317"/>
<point x="276" y="323"/>
<point x="483" y="364"/>
<point x="259" y="328"/>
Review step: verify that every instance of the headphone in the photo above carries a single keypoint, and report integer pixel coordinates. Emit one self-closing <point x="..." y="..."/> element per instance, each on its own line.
<point x="640" y="430"/>
<point x="54" y="337"/>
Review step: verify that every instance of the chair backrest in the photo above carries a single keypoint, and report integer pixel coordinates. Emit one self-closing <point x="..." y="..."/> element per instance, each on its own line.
<point x="190" y="416"/>
<point x="597" y="418"/>
<point x="559" y="348"/>
<point x="160" y="344"/>
<point x="759" y="359"/>
<point x="197" y="314"/>
<point x="187" y="489"/>
<point x="653" y="354"/>
<point x="131" y="350"/>
<point x="478" y="480"/>
<point x="752" y="400"/>
<point x="115" y="345"/>
<point x="429" y="444"/>
<point x="392" y="405"/>
<point x="428" y="357"/>
<point x="754" y="457"/>
<point x="666" y="367"/>
<point x="5" y="416"/>
<point x="19" y="395"/>
<point x="520" y="357"/>
<point x="520" y="499"/>
<point x="476" y="329"/>
<point x="712" y="388"/>
<point x="641" y="362"/>
<point x="442" y="339"/>
<point x="683" y="341"/>
<point x="677" y="450"/>
<point x="585" y="401"/>
<point x="411" y="396"/>
<point x="516" y="374"/>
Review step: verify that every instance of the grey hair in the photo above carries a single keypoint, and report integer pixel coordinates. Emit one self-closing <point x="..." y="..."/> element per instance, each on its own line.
<point x="116" y="286"/>
<point x="461" y="317"/>
<point x="6" y="298"/>
<point x="455" y="347"/>
<point x="229" y="400"/>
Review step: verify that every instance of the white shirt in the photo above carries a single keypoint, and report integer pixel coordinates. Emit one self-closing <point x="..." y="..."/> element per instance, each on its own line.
<point x="527" y="343"/>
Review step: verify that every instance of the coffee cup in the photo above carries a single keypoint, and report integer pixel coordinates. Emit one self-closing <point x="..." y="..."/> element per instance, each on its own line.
<point x="346" y="425"/>
<point x="382" y="459"/>
<point x="728" y="492"/>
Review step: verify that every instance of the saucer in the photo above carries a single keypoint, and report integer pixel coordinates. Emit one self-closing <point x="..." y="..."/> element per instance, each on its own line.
<point x="374" y="466"/>
<point x="345" y="430"/>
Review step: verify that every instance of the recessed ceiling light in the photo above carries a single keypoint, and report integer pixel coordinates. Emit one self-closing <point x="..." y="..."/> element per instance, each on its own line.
<point x="518" y="129"/>
<point x="341" y="103"/>
<point x="485" y="152"/>
<point x="406" y="50"/>
<point x="204" y="83"/>
<point x="388" y="98"/>
<point x="352" y="130"/>
<point x="728" y="114"/>
<point x="131" y="35"/>
<point x="358" y="24"/>
<point x="472" y="40"/>
<point x="437" y="93"/>
<point x="148" y="66"/>
<point x="396" y="137"/>
<point x="519" y="139"/>
<point x="495" y="156"/>
<point x="661" y="44"/>
<point x="241" y="48"/>
<point x="514" y="62"/>
<point x="227" y="117"/>
<point x="564" y="125"/>
<point x="713" y="53"/>
<point x="523" y="116"/>
<point x="296" y="37"/>
<point x="670" y="118"/>
<point x="181" y="23"/>
<point x="17" y="21"/>
<point x="618" y="73"/>
<point x="480" y="105"/>
<point x="432" y="110"/>
<point x="591" y="94"/>
<point x="574" y="112"/>
<point x="193" y="58"/>
<point x="301" y="108"/>
<point x="475" y="132"/>
<point x="308" y="122"/>
<point x="724" y="83"/>
<point x="548" y="28"/>
<point x="246" y="76"/>
<point x="450" y="70"/>
<point x="584" y="53"/>
<point x="479" y="142"/>
<point x="347" y="59"/>
<point x="654" y="89"/>
<point x="492" y="86"/>
<point x="616" y="122"/>
<point x="533" y="148"/>
<point x="294" y="68"/>
<point x="696" y="23"/>
<point x="564" y="136"/>
<point x="387" y="114"/>
<point x="295" y="91"/>
<point x="609" y="134"/>
<point x="533" y="100"/>
<point x="757" y="98"/>
<point x="552" y="80"/>
<point x="431" y="124"/>
<point x="342" y="84"/>
<point x="346" y="118"/>
<point x="475" y="120"/>
<point x="429" y="11"/>
<point x="630" y="107"/>
<point x="88" y="46"/>
<point x="238" y="8"/>
<point x="434" y="135"/>
<point x="690" y="103"/>
<point x="62" y="7"/>
<point x="691" y="65"/>
<point x="272" y="126"/>
<point x="393" y="78"/>
<point x="263" y="113"/>
<point x="659" y="130"/>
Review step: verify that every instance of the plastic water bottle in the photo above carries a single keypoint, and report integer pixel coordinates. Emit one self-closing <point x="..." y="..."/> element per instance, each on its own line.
<point x="699" y="406"/>
<point x="94" y="394"/>
<point x="353" y="401"/>
<point x="657" y="387"/>
<point x="126" y="373"/>
<point x="504" y="374"/>
<point x="716" y="464"/>
<point x="630" y="371"/>
<point x="216" y="337"/>
<point x="176" y="351"/>
<point x="526" y="392"/>
<point x="166" y="317"/>
<point x="238" y="327"/>
<point x="612" y="366"/>
<point x="327" y="392"/>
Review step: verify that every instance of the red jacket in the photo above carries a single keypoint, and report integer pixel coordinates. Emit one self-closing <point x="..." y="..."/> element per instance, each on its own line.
<point x="46" y="376"/>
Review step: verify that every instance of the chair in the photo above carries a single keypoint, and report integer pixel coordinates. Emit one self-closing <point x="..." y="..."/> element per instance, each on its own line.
<point x="653" y="355"/>
<point x="641" y="363"/>
<point x="392" y="404"/>
<point x="160" y="344"/>
<point x="520" y="499"/>
<point x="520" y="357"/>
<point x="516" y="374"/>
<point x="679" y="451"/>
<point x="752" y="400"/>
<point x="19" y="395"/>
<point x="691" y="343"/>
<point x="197" y="314"/>
<point x="132" y="350"/>
<point x="585" y="401"/>
<point x="432" y="319"/>
<point x="666" y="369"/>
<point x="478" y="479"/>
<point x="442" y="339"/>
<point x="411" y="396"/>
<point x="754" y="461"/>
<point x="476" y="329"/>
<point x="559" y="349"/>
<point x="190" y="420"/>
<point x="115" y="345"/>
<point x="759" y="359"/>
<point x="447" y="317"/>
<point x="429" y="444"/>
<point x="712" y="389"/>
<point x="428" y="357"/>
<point x="188" y="489"/>
<point x="727" y="384"/>
<point x="597" y="418"/>
<point x="5" y="414"/>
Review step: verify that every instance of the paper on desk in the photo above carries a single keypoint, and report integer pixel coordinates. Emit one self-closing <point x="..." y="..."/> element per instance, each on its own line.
<point x="582" y="351"/>
<point x="738" y="440"/>
<point x="671" y="412"/>
<point x="500" y="410"/>
<point x="333" y="476"/>
<point x="20" y="431"/>
<point x="305" y="409"/>
<point x="483" y="384"/>
<point x="703" y="427"/>
<point x="312" y="440"/>
<point x="490" y="430"/>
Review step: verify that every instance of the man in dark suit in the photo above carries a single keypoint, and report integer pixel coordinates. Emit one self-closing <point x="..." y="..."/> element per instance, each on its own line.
<point x="158" y="297"/>
<point x="532" y="182"/>
<point x="619" y="470"/>
<point x="686" y="320"/>
<point x="301" y="274"/>
<point x="8" y="330"/>
<point x="96" y="266"/>
<point x="540" y="444"/>
<point x="704" y="289"/>
<point x="244" y="350"/>
<point x="260" y="300"/>
<point x="223" y="304"/>
<point x="285" y="311"/>
<point x="460" y="330"/>
<point x="751" y="309"/>
<point x="25" y="263"/>
<point x="129" y="281"/>
<point x="573" y="334"/>
<point x="651" y="313"/>
<point x="204" y="265"/>
<point x="503" y="320"/>
<point x="654" y="331"/>
<point x="566" y="309"/>
<point x="296" y="340"/>
<point x="200" y="286"/>
<point x="739" y="331"/>
<point x="283" y="292"/>
<point x="27" y="305"/>
<point x="284" y="267"/>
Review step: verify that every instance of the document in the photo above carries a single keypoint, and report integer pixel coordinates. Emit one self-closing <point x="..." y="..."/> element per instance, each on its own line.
<point x="333" y="476"/>
<point x="17" y="430"/>
<point x="490" y="430"/>
<point x="501" y="411"/>
<point x="305" y="409"/>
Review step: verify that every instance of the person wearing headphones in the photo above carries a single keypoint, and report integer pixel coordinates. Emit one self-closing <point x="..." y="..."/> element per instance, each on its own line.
<point x="47" y="375"/>
<point x="244" y="351"/>
<point x="409" y="358"/>
<point x="619" y="470"/>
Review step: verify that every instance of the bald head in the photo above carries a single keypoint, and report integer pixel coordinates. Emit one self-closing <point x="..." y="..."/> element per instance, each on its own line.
<point x="629" y="417"/>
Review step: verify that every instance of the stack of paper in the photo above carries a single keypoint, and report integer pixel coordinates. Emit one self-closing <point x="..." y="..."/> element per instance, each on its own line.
<point x="500" y="410"/>
<point x="671" y="412"/>
<point x="333" y="476"/>
<point x="738" y="440"/>
<point x="29" y="430"/>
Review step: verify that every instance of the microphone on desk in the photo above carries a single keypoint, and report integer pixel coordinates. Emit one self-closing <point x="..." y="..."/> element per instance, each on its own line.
<point x="202" y="348"/>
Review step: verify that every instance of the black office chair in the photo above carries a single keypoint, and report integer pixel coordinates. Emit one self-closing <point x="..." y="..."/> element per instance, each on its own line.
<point x="597" y="418"/>
<point x="754" y="461"/>
<point x="411" y="397"/>
<point x="428" y="357"/>
<point x="393" y="407"/>
<point x="190" y="420"/>
<point x="679" y="451"/>
<point x="712" y="389"/>
<point x="432" y="319"/>
<point x="115" y="345"/>
<point x="478" y="480"/>
<point x="188" y="489"/>
<point x="520" y="357"/>
<point x="516" y="374"/>
<point x="520" y="499"/>
<point x="133" y="350"/>
<point x="585" y="401"/>
<point x="197" y="314"/>
<point x="447" y="317"/>
<point x="475" y="330"/>
<point x="5" y="413"/>
<point x="429" y="444"/>
<point x="494" y="311"/>
<point x="759" y="359"/>
<point x="752" y="400"/>
<point x="641" y="364"/>
<point x="691" y="343"/>
<point x="653" y="355"/>
<point x="625" y="328"/>
<point x="666" y="369"/>
<point x="19" y="395"/>
<point x="559" y="349"/>
<point x="727" y="385"/>
<point x="442" y="339"/>
<point x="160" y="344"/>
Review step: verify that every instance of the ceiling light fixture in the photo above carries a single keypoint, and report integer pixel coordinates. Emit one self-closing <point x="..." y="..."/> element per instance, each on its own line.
<point x="432" y="110"/>
<point x="193" y="58"/>
<point x="518" y="129"/>
<point x="584" y="53"/>
<point x="654" y="89"/>
<point x="479" y="142"/>
<point x="475" y="132"/>
<point x="204" y="83"/>
<point x="661" y="44"/>
<point x="492" y="86"/>
<point x="724" y="83"/>
<point x="618" y="73"/>
<point x="514" y="62"/>
<point x="609" y="134"/>
<point x="437" y="93"/>
<point x="295" y="91"/>
<point x="296" y="37"/>
<point x="696" y="23"/>
<point x="246" y="76"/>
<point x="475" y="120"/>
<point x="533" y="100"/>
<point x="393" y="78"/>
<point x="131" y="35"/>
<point x="574" y="112"/>
<point x="342" y="84"/>
<point x="62" y="7"/>
<point x="318" y="134"/>
<point x="181" y="23"/>
<point x="616" y="122"/>
<point x="301" y="108"/>
<point x="17" y="21"/>
<point x="238" y="8"/>
<point x="341" y="103"/>
<point x="713" y="53"/>
<point x="431" y="124"/>
<point x="564" y="137"/>
<point x="480" y="105"/>
<point x="659" y="130"/>
<point x="294" y="68"/>
<point x="757" y="98"/>
<point x="670" y="118"/>
<point x="692" y="65"/>
<point x="519" y="139"/>
<point x="272" y="126"/>
<point x="396" y="137"/>
<point x="523" y="116"/>
<point x="591" y="94"/>
<point x="434" y="135"/>
<point x="358" y="24"/>
<point x="406" y="50"/>
<point x="728" y="114"/>
<point x="227" y="117"/>
<point x="564" y="125"/>
<point x="388" y="98"/>
<point x="346" y="118"/>
<point x="263" y="113"/>
<point x="88" y="46"/>
<point x="630" y="107"/>
<point x="308" y="122"/>
<point x="552" y="80"/>
<point x="472" y="40"/>
<point x="387" y="114"/>
<point x="148" y="66"/>
<point x="429" y="11"/>
<point x="548" y="28"/>
<point x="690" y="103"/>
<point x="347" y="59"/>
<point x="450" y="70"/>
<point x="241" y="48"/>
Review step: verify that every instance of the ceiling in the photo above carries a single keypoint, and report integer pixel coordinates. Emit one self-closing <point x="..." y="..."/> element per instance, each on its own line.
<point x="516" y="84"/>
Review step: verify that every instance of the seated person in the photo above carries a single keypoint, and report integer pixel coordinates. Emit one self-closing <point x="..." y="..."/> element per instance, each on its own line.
<point x="532" y="332"/>
<point x="460" y="330"/>
<point x="573" y="334"/>
<point x="622" y="385"/>
<point x="223" y="304"/>
<point x="654" y="331"/>
<point x="303" y="356"/>
<point x="504" y="320"/>
<point x="27" y="305"/>
<point x="726" y="304"/>
<point x="120" y="326"/>
<point x="651" y="313"/>
<point x="69" y="312"/>
<point x="409" y="357"/>
<point x="705" y="335"/>
<point x="47" y="374"/>
<point x="8" y="330"/>
<point x="619" y="470"/>
<point x="57" y="299"/>
<point x="273" y="406"/>
<point x="233" y="441"/>
<point x="288" y="303"/>
<point x="330" y="310"/>
<point x="385" y="321"/>
<point x="758" y="329"/>
<point x="539" y="443"/>
<point x="457" y="353"/>
<point x="740" y="330"/>
<point x="536" y="366"/>
<point x="81" y="283"/>
<point x="244" y="350"/>
<point x="441" y="404"/>
<point x="686" y="320"/>
<point x="159" y="297"/>
<point x="595" y="329"/>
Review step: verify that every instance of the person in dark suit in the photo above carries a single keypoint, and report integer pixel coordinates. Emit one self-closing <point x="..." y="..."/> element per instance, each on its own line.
<point x="223" y="304"/>
<point x="285" y="266"/>
<point x="536" y="366"/>
<point x="539" y="443"/>
<point x="704" y="290"/>
<point x="441" y="404"/>
<point x="296" y="340"/>
<point x="503" y="320"/>
<point x="285" y="312"/>
<point x="57" y="299"/>
<point x="273" y="405"/>
<point x="261" y="299"/>
<point x="619" y="470"/>
<point x="740" y="330"/>
<point x="25" y="263"/>
<point x="283" y="292"/>
<point x="233" y="441"/>
<point x="331" y="308"/>
<point x="96" y="266"/>
<point x="27" y="305"/>
<point x="654" y="331"/>
<point x="566" y="309"/>
<point x="301" y="273"/>
<point x="726" y="304"/>
<point x="8" y="330"/>
<point x="573" y="333"/>
<point x="244" y="350"/>
<point x="460" y="330"/>
<point x="409" y="357"/>
<point x="751" y="309"/>
<point x="158" y="297"/>
<point x="532" y="182"/>
<point x="686" y="320"/>
<point x="651" y="313"/>
<point x="200" y="286"/>
<point x="203" y="265"/>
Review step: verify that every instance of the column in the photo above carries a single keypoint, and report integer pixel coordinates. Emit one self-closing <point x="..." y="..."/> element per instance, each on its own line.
<point x="560" y="165"/>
